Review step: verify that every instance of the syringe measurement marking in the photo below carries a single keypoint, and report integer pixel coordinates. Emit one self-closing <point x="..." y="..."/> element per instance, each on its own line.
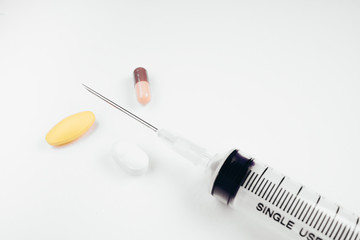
<point x="318" y="219"/>
<point x="277" y="196"/>
<point x="291" y="204"/>
<point x="280" y="198"/>
<point x="322" y="222"/>
<point x="342" y="232"/>
<point x="338" y="230"/>
<point x="295" y="206"/>
<point x="262" y="180"/>
<point x="295" y="199"/>
<point x="356" y="236"/>
<point x="311" y="213"/>
<point x="357" y="222"/>
<point x="312" y="221"/>
<point x="259" y="186"/>
<point x="302" y="202"/>
<point x="261" y="176"/>
<point x="287" y="193"/>
<point x="246" y="177"/>
<point x="259" y="180"/>
<point x="270" y="191"/>
<point x="256" y="175"/>
<point x="255" y="182"/>
<point x="318" y="200"/>
<point x="277" y="187"/>
<point x="284" y="200"/>
<point x="288" y="201"/>
<point x="330" y="227"/>
<point x="270" y="183"/>
<point x="337" y="222"/>
<point x="354" y="228"/>
<point x="310" y="206"/>
<point x="332" y="222"/>
<point x="263" y="188"/>
<point x="326" y="224"/>
<point x="347" y="233"/>
<point x="306" y="204"/>
<point x="298" y="210"/>
<point x="247" y="182"/>
<point x="306" y="213"/>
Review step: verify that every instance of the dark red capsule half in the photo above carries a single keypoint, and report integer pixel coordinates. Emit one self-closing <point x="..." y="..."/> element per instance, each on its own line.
<point x="140" y="75"/>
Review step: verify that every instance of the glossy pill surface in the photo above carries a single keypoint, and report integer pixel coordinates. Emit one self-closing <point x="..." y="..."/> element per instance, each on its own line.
<point x="70" y="128"/>
<point x="142" y="86"/>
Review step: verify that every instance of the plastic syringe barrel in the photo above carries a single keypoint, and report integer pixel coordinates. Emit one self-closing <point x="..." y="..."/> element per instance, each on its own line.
<point x="276" y="201"/>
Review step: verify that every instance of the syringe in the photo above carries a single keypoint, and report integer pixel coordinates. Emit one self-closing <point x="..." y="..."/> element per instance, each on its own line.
<point x="243" y="183"/>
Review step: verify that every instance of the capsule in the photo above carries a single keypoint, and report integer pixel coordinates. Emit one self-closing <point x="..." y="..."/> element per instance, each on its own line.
<point x="142" y="86"/>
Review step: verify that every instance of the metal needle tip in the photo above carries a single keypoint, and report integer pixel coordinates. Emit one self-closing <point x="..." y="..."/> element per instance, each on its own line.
<point x="130" y="114"/>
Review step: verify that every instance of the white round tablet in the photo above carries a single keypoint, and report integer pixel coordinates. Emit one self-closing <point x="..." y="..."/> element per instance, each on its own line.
<point x="130" y="157"/>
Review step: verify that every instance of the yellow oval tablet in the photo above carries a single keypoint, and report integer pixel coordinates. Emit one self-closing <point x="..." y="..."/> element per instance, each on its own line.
<point x="70" y="128"/>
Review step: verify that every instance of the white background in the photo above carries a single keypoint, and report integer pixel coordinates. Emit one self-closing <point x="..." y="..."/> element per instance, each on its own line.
<point x="278" y="79"/>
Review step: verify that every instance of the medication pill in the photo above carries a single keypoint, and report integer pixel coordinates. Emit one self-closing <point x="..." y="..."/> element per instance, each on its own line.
<point x="142" y="86"/>
<point x="130" y="157"/>
<point x="70" y="128"/>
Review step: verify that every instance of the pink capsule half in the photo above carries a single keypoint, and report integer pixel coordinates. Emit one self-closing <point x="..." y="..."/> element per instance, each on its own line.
<point x="142" y="86"/>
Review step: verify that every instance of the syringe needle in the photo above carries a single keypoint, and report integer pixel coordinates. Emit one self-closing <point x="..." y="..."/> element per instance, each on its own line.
<point x="121" y="108"/>
<point x="184" y="147"/>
